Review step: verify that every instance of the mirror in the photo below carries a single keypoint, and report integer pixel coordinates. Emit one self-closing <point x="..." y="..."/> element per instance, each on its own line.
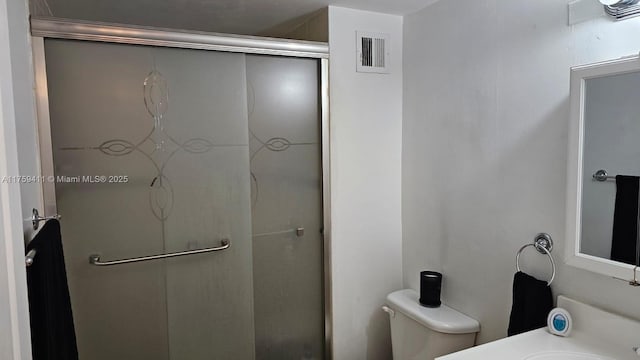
<point x="604" y="168"/>
<point x="611" y="164"/>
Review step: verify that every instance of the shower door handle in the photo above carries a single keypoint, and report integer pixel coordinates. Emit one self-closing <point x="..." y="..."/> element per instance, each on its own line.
<point x="95" y="259"/>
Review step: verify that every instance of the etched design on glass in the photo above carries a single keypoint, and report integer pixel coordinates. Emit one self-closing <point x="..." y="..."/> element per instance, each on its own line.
<point x="277" y="144"/>
<point x="161" y="197"/>
<point x="197" y="146"/>
<point x="255" y="190"/>
<point x="158" y="146"/>
<point x="116" y="147"/>
<point x="274" y="144"/>
<point x="156" y="94"/>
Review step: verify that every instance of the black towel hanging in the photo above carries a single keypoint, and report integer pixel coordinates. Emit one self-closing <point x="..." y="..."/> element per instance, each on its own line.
<point x="532" y="301"/>
<point x="625" y="220"/>
<point x="52" y="331"/>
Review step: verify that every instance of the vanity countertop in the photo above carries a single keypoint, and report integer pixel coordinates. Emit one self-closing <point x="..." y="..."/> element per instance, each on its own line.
<point x="597" y="334"/>
<point x="540" y="344"/>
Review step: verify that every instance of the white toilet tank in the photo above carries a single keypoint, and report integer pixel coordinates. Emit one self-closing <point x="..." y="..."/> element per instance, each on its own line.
<point x="422" y="333"/>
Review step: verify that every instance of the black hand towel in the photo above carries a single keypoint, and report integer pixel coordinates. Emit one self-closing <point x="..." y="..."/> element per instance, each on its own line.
<point x="532" y="301"/>
<point x="625" y="220"/>
<point x="52" y="332"/>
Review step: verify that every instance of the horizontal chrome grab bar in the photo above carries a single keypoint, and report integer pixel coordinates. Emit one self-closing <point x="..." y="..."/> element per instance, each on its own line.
<point x="95" y="259"/>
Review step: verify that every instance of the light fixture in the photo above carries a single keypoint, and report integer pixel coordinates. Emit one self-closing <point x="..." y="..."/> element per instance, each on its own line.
<point x="621" y="9"/>
<point x="618" y="2"/>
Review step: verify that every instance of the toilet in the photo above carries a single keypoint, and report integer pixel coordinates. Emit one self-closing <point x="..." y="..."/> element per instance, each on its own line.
<point x="423" y="333"/>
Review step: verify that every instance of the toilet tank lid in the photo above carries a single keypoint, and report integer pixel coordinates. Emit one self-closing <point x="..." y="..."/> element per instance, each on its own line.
<point x="442" y="319"/>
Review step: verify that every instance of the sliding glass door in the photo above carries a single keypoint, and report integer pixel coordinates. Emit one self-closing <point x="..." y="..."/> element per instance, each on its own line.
<point x="162" y="151"/>
<point x="286" y="174"/>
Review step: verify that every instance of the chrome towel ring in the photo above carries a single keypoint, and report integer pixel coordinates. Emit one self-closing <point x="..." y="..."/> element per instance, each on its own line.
<point x="544" y="244"/>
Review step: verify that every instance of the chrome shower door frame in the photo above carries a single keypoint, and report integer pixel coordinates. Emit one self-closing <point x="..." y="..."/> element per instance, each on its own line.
<point x="54" y="28"/>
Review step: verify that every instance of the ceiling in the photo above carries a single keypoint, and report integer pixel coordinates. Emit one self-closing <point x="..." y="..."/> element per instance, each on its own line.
<point x="228" y="16"/>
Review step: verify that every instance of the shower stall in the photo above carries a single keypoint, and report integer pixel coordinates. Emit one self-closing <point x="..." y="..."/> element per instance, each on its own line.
<point x="190" y="171"/>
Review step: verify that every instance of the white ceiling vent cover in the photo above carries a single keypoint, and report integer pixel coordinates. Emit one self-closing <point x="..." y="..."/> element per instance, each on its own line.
<point x="373" y="52"/>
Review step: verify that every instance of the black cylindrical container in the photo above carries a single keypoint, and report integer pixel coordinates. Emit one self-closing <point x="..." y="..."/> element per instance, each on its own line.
<point x="430" y="285"/>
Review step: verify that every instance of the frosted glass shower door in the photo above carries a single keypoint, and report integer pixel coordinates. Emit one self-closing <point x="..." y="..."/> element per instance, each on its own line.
<point x="168" y="130"/>
<point x="286" y="169"/>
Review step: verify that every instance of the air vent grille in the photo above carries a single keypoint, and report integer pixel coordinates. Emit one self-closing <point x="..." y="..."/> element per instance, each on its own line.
<point x="373" y="52"/>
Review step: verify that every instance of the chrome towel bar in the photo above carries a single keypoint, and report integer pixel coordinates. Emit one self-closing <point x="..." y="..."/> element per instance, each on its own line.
<point x="298" y="231"/>
<point x="35" y="222"/>
<point x="95" y="259"/>
<point x="36" y="218"/>
<point x="544" y="244"/>
<point x="603" y="175"/>
<point x="28" y="259"/>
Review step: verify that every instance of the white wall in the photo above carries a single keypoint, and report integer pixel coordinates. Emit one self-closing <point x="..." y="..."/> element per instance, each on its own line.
<point x="486" y="111"/>
<point x="16" y="118"/>
<point x="25" y="110"/>
<point x="366" y="134"/>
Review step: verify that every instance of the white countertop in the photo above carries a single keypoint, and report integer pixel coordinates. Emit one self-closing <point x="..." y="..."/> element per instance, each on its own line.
<point x="597" y="334"/>
<point x="540" y="344"/>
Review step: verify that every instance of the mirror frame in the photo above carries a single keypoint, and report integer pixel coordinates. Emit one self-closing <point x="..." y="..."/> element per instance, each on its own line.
<point x="573" y="256"/>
